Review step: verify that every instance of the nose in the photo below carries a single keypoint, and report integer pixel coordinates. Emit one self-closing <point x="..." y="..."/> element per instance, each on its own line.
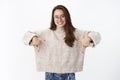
<point x="60" y="18"/>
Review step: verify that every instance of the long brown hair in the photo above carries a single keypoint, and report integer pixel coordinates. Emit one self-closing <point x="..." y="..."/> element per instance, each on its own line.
<point x="68" y="28"/>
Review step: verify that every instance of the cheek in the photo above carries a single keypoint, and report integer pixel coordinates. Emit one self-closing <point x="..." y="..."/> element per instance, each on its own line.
<point x="64" y="20"/>
<point x="55" y="21"/>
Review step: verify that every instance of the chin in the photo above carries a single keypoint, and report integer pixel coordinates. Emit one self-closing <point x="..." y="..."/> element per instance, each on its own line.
<point x="60" y="25"/>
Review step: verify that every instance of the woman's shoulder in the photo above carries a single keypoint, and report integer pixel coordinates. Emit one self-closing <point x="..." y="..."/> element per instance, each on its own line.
<point x="80" y="32"/>
<point x="46" y="31"/>
<point x="77" y="30"/>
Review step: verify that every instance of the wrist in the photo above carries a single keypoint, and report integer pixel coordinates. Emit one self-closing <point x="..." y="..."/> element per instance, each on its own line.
<point x="90" y="40"/>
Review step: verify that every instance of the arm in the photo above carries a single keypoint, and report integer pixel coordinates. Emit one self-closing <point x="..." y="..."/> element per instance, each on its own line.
<point x="87" y="38"/>
<point x="31" y="38"/>
<point x="91" y="38"/>
<point x="95" y="37"/>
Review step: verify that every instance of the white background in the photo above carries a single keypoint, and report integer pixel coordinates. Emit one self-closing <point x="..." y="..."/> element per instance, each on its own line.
<point x="17" y="61"/>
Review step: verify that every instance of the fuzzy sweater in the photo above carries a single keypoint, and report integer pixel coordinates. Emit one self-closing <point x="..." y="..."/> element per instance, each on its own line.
<point x="53" y="54"/>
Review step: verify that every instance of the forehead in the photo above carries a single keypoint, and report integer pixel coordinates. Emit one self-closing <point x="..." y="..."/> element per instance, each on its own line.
<point x="58" y="12"/>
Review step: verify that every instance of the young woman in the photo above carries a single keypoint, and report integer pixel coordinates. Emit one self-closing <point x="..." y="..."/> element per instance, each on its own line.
<point x="60" y="49"/>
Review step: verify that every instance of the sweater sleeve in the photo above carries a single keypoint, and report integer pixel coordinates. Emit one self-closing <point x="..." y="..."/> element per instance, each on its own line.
<point x="27" y="39"/>
<point x="95" y="36"/>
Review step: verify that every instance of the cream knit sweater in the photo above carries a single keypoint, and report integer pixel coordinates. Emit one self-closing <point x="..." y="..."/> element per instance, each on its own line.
<point x="54" y="55"/>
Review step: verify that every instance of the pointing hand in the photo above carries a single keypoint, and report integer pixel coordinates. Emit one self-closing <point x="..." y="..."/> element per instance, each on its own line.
<point x="35" y="41"/>
<point x="85" y="43"/>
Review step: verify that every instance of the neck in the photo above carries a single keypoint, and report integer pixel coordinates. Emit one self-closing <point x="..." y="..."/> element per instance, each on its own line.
<point x="59" y="28"/>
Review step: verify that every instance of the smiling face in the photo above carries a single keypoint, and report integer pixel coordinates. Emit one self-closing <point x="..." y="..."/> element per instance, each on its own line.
<point x="59" y="18"/>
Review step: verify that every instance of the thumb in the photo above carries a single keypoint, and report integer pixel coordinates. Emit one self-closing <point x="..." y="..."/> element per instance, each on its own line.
<point x="38" y="47"/>
<point x="83" y="49"/>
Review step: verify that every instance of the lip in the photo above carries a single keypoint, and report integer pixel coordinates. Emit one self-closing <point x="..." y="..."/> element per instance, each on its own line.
<point x="60" y="23"/>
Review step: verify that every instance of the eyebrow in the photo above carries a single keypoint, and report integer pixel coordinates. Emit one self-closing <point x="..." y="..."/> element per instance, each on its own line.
<point x="61" y="14"/>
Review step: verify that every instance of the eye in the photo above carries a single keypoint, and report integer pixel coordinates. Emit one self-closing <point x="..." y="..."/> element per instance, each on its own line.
<point x="56" y="17"/>
<point x="62" y="16"/>
<point x="59" y="17"/>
